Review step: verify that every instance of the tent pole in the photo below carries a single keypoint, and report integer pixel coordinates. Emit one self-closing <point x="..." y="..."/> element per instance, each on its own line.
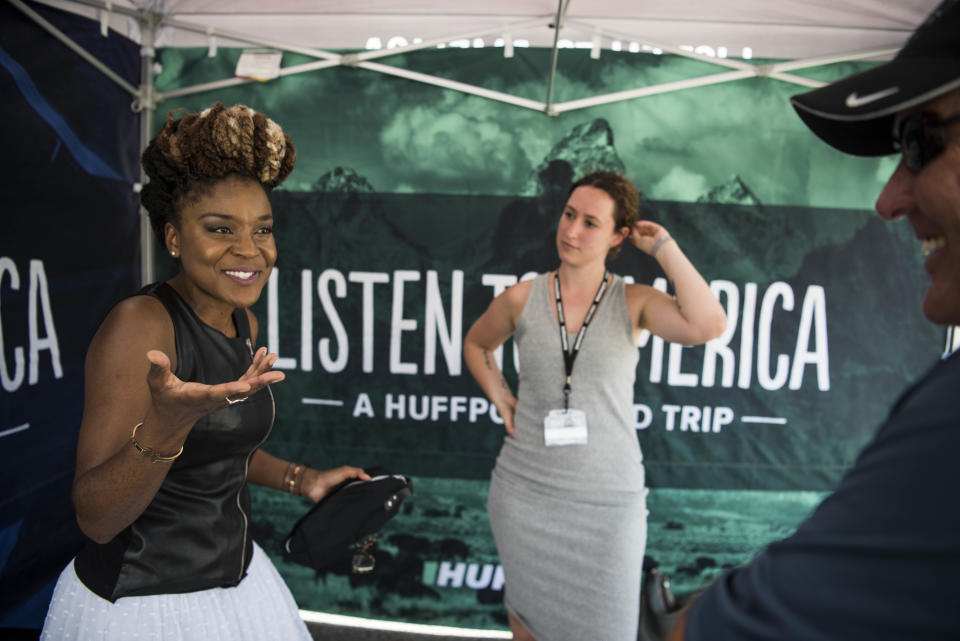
<point x="796" y="80"/>
<point x="510" y="26"/>
<point x="548" y="108"/>
<point x="452" y="84"/>
<point x="790" y="65"/>
<point x="652" y="90"/>
<point x="73" y="46"/>
<point x="233" y="82"/>
<point x="148" y="30"/>
<point x="357" y="60"/>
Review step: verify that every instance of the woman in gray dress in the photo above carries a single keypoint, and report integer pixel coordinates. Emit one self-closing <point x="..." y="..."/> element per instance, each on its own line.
<point x="566" y="500"/>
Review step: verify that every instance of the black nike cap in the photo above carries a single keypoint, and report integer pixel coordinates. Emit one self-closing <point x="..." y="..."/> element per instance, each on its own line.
<point x="856" y="114"/>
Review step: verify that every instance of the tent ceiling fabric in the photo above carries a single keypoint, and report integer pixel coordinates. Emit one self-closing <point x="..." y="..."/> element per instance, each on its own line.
<point x="785" y="29"/>
<point x="802" y="31"/>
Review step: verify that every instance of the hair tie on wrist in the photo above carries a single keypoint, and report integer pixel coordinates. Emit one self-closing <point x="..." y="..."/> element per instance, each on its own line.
<point x="656" y="245"/>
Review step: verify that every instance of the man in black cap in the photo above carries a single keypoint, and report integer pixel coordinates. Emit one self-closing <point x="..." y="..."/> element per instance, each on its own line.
<point x="880" y="557"/>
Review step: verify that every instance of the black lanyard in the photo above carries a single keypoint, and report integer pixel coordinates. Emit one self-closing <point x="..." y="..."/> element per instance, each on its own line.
<point x="570" y="355"/>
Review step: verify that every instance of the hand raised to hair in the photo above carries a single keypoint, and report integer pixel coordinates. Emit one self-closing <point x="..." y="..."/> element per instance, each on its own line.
<point x="645" y="233"/>
<point x="317" y="483"/>
<point x="178" y="403"/>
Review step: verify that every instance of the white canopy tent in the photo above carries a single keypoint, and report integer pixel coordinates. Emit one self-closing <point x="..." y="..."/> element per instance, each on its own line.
<point x="772" y="39"/>
<point x="727" y="33"/>
<point x="732" y="34"/>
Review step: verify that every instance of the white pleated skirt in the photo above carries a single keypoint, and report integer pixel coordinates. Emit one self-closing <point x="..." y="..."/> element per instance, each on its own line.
<point x="260" y="607"/>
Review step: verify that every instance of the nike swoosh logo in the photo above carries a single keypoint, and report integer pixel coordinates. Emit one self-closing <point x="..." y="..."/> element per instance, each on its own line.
<point x="854" y="101"/>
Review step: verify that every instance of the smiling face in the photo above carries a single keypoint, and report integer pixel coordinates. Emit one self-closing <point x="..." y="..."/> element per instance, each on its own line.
<point x="586" y="231"/>
<point x="224" y="240"/>
<point x="930" y="200"/>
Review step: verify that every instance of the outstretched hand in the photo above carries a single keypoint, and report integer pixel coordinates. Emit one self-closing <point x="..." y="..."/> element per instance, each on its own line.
<point x="645" y="233"/>
<point x="179" y="403"/>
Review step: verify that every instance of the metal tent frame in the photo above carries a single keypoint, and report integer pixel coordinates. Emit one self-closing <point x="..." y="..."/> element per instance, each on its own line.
<point x="150" y="22"/>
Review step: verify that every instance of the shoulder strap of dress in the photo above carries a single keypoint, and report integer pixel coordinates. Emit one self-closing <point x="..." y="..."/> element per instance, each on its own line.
<point x="242" y="322"/>
<point x="165" y="294"/>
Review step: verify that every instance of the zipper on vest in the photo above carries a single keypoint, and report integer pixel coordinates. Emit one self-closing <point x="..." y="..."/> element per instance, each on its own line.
<point x="246" y="469"/>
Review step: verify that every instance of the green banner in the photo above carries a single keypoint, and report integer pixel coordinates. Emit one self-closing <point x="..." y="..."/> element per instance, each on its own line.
<point x="412" y="207"/>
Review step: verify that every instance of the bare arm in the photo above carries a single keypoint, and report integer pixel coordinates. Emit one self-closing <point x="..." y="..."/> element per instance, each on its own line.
<point x="129" y="381"/>
<point x="695" y="315"/>
<point x="269" y="471"/>
<point x="272" y="472"/>
<point x="489" y="332"/>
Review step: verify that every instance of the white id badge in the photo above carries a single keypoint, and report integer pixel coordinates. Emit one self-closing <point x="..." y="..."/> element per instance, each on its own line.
<point x="565" y="427"/>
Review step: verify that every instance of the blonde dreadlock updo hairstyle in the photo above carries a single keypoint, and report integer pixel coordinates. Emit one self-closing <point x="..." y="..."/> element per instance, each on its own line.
<point x="191" y="153"/>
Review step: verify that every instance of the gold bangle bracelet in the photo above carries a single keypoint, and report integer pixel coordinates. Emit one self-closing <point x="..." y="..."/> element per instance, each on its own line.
<point x="298" y="476"/>
<point x="293" y="477"/>
<point x="288" y="478"/>
<point x="147" y="452"/>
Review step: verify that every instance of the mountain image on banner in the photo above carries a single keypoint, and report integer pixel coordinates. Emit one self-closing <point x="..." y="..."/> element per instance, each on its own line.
<point x="345" y="204"/>
<point x="349" y="218"/>
<point x="732" y="192"/>
<point x="343" y="180"/>
<point x="524" y="237"/>
<point x="587" y="148"/>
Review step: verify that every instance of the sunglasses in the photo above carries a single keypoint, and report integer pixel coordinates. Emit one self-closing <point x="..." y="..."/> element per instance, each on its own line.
<point x="921" y="137"/>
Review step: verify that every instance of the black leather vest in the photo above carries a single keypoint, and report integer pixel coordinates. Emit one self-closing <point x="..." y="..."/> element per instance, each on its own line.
<point x="195" y="534"/>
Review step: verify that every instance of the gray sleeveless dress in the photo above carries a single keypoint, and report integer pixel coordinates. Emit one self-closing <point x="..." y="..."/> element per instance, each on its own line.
<point x="570" y="521"/>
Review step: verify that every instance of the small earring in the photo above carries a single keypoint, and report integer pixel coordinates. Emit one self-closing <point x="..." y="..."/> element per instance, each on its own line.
<point x="174" y="254"/>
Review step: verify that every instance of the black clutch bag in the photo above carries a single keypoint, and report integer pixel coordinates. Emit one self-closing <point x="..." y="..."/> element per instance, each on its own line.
<point x="344" y="524"/>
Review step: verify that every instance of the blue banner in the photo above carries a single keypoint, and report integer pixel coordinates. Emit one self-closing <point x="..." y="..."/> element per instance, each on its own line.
<point x="69" y="251"/>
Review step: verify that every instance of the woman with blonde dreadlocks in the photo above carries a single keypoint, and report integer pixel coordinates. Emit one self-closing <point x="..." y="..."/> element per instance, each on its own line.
<point x="177" y="403"/>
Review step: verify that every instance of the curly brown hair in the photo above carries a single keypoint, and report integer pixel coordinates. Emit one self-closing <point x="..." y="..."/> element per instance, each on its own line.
<point x="191" y="153"/>
<point x="626" y="199"/>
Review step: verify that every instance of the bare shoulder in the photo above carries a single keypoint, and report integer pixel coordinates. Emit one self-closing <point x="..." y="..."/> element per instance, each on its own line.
<point x="519" y="292"/>
<point x="499" y="320"/>
<point x="116" y="393"/>
<point x="134" y="326"/>
<point x="516" y="295"/>
<point x="141" y="307"/>
<point x="145" y="313"/>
